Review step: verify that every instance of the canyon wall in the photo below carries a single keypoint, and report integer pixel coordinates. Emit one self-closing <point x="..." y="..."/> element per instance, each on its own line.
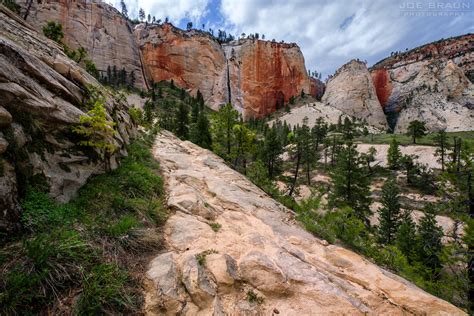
<point x="264" y="75"/>
<point x="192" y="59"/>
<point x="98" y="27"/>
<point x="431" y="83"/>
<point x="351" y="90"/>
<point x="43" y="96"/>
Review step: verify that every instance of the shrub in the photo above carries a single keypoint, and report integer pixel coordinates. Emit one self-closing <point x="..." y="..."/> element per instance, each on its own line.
<point x="54" y="31"/>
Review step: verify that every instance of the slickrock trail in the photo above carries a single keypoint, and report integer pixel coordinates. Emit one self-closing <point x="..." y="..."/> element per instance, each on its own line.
<point x="258" y="248"/>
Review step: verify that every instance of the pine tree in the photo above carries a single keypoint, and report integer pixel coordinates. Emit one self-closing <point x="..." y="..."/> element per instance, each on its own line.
<point x="53" y="30"/>
<point x="318" y="133"/>
<point x="429" y="242"/>
<point x="369" y="158"/>
<point x="406" y="236"/>
<point x="201" y="134"/>
<point x="350" y="183"/>
<point x="307" y="150"/>
<point x="296" y="154"/>
<point x="225" y="119"/>
<point x="441" y="140"/>
<point x="141" y="14"/>
<point x="182" y="121"/>
<point x="272" y="148"/>
<point x="394" y="155"/>
<point x="244" y="146"/>
<point x="416" y="129"/>
<point x="390" y="213"/>
<point x="123" y="7"/>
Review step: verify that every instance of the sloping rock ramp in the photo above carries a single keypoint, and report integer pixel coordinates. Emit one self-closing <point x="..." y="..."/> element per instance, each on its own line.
<point x="232" y="250"/>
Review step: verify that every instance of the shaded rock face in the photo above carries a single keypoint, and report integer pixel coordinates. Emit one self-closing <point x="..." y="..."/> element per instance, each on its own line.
<point x="317" y="88"/>
<point x="351" y="91"/>
<point x="193" y="60"/>
<point x="264" y="75"/>
<point x="429" y="83"/>
<point x="258" y="248"/>
<point x="42" y="94"/>
<point x="98" y="27"/>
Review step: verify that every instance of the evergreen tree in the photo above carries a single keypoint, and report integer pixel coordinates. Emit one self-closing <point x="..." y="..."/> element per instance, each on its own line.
<point x="272" y="148"/>
<point x="224" y="122"/>
<point x="244" y="146"/>
<point x="123" y="7"/>
<point x="441" y="140"/>
<point x="182" y="121"/>
<point x="350" y="183"/>
<point x="296" y="153"/>
<point x="201" y="134"/>
<point x="53" y="30"/>
<point x="141" y="14"/>
<point x="390" y="213"/>
<point x="410" y="166"/>
<point x="406" y="236"/>
<point x="429" y="242"/>
<point x="318" y="133"/>
<point x="416" y="129"/>
<point x="369" y="158"/>
<point x="307" y="150"/>
<point x="394" y="155"/>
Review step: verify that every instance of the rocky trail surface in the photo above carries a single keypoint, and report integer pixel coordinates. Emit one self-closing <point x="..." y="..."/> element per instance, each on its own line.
<point x="257" y="260"/>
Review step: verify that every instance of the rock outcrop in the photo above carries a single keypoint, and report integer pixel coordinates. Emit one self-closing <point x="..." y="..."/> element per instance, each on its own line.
<point x="351" y="91"/>
<point x="98" y="27"/>
<point x="317" y="88"/>
<point x="255" y="259"/>
<point x="431" y="83"/>
<point x="256" y="76"/>
<point x="264" y="75"/>
<point x="192" y="59"/>
<point x="43" y="95"/>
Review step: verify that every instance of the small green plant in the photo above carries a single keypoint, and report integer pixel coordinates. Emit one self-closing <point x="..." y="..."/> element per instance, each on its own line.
<point x="252" y="297"/>
<point x="11" y="4"/>
<point x="96" y="129"/>
<point x="135" y="114"/>
<point x="53" y="30"/>
<point x="201" y="257"/>
<point x="215" y="226"/>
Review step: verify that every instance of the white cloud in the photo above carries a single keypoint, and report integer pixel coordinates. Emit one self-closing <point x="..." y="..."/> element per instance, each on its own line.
<point x="176" y="10"/>
<point x="377" y="27"/>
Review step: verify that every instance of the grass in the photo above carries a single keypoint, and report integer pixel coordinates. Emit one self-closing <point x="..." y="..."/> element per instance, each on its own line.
<point x="201" y="257"/>
<point x="215" y="226"/>
<point x="90" y="248"/>
<point x="252" y="297"/>
<point x="403" y="139"/>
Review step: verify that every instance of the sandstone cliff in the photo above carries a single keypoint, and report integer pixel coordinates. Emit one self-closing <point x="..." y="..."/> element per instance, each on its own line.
<point x="192" y="59"/>
<point x="351" y="91"/>
<point x="264" y="75"/>
<point x="43" y="94"/>
<point x="258" y="249"/>
<point x="431" y="83"/>
<point x="94" y="25"/>
<point x="256" y="76"/>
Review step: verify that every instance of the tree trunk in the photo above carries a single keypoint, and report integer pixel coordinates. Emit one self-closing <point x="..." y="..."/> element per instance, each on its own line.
<point x="298" y="158"/>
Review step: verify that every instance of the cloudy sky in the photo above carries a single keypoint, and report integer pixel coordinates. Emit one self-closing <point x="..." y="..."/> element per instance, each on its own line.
<point x="330" y="32"/>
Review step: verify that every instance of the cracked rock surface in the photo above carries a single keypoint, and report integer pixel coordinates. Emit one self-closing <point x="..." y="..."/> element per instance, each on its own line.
<point x="258" y="248"/>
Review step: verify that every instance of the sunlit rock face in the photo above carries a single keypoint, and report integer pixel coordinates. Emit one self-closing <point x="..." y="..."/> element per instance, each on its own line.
<point x="431" y="83"/>
<point x="257" y="248"/>
<point x="351" y="90"/>
<point x="192" y="59"/>
<point x="98" y="27"/>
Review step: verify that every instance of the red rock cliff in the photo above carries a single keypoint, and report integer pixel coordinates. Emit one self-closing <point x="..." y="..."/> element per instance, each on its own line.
<point x="96" y="26"/>
<point x="192" y="59"/>
<point x="264" y="75"/>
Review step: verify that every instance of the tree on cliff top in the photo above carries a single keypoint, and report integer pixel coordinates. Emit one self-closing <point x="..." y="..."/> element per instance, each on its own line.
<point x="141" y="14"/>
<point x="123" y="6"/>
